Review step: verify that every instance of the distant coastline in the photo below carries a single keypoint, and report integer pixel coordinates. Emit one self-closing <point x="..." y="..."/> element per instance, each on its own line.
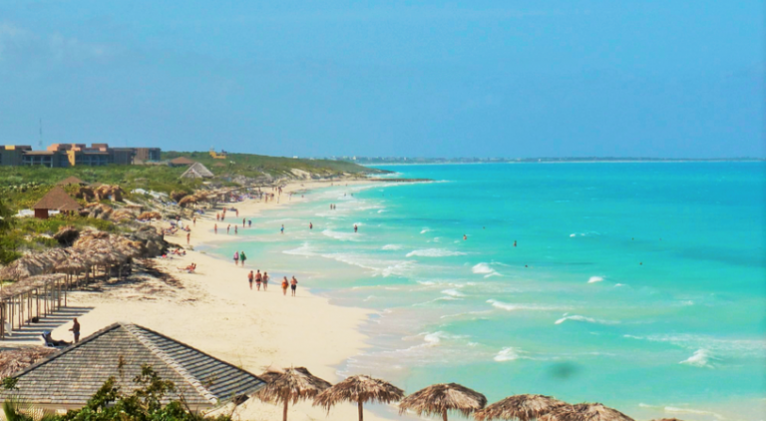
<point x="465" y="161"/>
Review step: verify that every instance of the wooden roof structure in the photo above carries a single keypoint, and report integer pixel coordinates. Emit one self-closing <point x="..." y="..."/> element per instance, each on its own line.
<point x="197" y="170"/>
<point x="57" y="199"/>
<point x="181" y="160"/>
<point x="67" y="380"/>
<point x="71" y="180"/>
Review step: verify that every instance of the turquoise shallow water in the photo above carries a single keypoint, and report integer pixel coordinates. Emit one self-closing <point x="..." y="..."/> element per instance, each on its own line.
<point x="638" y="285"/>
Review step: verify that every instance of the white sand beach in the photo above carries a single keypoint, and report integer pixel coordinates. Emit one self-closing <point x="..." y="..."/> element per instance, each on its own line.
<point x="214" y="311"/>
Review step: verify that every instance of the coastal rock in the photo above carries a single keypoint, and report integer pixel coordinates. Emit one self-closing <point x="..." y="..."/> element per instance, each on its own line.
<point x="178" y="195"/>
<point x="153" y="244"/>
<point x="66" y="235"/>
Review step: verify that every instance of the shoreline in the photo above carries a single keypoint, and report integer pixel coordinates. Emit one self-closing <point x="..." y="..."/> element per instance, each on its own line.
<point x="214" y="310"/>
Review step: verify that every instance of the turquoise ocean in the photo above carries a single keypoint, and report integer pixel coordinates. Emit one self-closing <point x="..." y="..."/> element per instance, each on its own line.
<point x="638" y="285"/>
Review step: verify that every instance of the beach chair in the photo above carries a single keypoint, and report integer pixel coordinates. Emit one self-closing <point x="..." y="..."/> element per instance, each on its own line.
<point x="49" y="344"/>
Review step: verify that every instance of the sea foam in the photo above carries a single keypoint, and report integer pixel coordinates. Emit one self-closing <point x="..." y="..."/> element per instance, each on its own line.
<point x="700" y="358"/>
<point x="594" y="279"/>
<point x="435" y="252"/>
<point x="578" y="318"/>
<point x="484" y="269"/>
<point x="507" y="354"/>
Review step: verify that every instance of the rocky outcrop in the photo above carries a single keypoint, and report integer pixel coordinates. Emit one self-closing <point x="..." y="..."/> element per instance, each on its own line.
<point x="153" y="244"/>
<point x="67" y="235"/>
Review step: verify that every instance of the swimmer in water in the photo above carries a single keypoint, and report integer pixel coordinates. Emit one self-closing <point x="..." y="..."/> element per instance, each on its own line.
<point x="465" y="237"/>
<point x="514" y="243"/>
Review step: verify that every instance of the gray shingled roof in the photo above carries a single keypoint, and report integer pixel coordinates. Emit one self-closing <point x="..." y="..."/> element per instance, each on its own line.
<point x="71" y="377"/>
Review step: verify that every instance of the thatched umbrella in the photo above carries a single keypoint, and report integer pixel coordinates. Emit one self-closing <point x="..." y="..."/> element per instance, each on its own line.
<point x="441" y="398"/>
<point x="359" y="389"/>
<point x="520" y="407"/>
<point x="13" y="361"/>
<point x="290" y="385"/>
<point x="585" y="412"/>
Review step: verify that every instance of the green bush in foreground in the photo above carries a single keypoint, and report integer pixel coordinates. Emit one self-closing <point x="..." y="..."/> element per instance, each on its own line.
<point x="109" y="403"/>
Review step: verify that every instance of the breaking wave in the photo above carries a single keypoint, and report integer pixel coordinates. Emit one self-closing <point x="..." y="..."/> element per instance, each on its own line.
<point x="434" y="253"/>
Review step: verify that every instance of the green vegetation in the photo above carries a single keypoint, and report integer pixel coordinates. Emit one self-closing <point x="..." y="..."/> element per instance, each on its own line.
<point x="110" y="403"/>
<point x="257" y="165"/>
<point x="22" y="187"/>
<point x="7" y="245"/>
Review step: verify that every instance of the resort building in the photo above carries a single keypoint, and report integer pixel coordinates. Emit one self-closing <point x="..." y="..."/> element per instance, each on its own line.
<point x="67" y="379"/>
<point x="73" y="154"/>
<point x="12" y="155"/>
<point x="55" y="200"/>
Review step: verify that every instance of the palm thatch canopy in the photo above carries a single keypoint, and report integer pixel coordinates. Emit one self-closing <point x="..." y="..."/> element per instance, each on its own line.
<point x="29" y="284"/>
<point x="100" y="248"/>
<point x="585" y="412"/>
<point x="290" y="385"/>
<point x="520" y="407"/>
<point x="441" y="398"/>
<point x="34" y="264"/>
<point x="359" y="389"/>
<point x="13" y="361"/>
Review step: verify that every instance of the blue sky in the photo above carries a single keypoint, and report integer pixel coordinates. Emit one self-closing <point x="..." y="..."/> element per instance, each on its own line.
<point x="389" y="78"/>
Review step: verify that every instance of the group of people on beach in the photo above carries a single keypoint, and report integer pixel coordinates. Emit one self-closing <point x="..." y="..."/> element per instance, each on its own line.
<point x="264" y="280"/>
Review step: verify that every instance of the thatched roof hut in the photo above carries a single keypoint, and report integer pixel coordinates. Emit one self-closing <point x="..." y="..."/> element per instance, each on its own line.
<point x="197" y="170"/>
<point x="439" y="399"/>
<point x="55" y="199"/>
<point x="585" y="412"/>
<point x="359" y="389"/>
<point x="34" y="264"/>
<point x="15" y="360"/>
<point x="101" y="247"/>
<point x="180" y="161"/>
<point x="520" y="407"/>
<point x="291" y="385"/>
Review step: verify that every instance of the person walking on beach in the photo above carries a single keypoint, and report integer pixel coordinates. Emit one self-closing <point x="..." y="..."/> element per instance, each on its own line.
<point x="236" y="258"/>
<point x="311" y="225"/>
<point x="235" y="229"/>
<point x="265" y="281"/>
<point x="215" y="228"/>
<point x="284" y="286"/>
<point x="250" y="277"/>
<point x="242" y="257"/>
<point x="217" y="216"/>
<point x="75" y="330"/>
<point x="293" y="285"/>
<point x="258" y="280"/>
<point x="228" y="227"/>
<point x="188" y="237"/>
<point x="282" y="230"/>
<point x="243" y="222"/>
<point x="249" y="223"/>
<point x="194" y="221"/>
<point x="355" y="228"/>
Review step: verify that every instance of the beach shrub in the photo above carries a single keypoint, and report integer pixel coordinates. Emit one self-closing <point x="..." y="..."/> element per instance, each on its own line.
<point x="7" y="242"/>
